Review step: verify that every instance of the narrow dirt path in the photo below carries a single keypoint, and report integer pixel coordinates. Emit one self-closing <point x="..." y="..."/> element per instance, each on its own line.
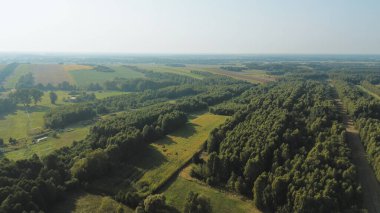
<point x="367" y="178"/>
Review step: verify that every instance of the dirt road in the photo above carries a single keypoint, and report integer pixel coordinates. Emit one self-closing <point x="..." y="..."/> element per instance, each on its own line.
<point x="367" y="178"/>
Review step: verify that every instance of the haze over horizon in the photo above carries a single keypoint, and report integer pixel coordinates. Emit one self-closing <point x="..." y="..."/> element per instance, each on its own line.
<point x="191" y="27"/>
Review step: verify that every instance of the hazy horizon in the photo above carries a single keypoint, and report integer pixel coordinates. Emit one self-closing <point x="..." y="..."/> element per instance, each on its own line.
<point x="191" y="27"/>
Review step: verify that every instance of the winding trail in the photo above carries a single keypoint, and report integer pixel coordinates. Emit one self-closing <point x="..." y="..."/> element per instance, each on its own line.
<point x="367" y="178"/>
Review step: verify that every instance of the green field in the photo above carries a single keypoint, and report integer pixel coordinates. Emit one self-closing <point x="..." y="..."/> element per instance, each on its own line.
<point x="176" y="149"/>
<point x="85" y="77"/>
<point x="166" y="156"/>
<point x="85" y="202"/>
<point x="26" y="123"/>
<point x="45" y="147"/>
<point x="176" y="70"/>
<point x="221" y="202"/>
<point x="254" y="76"/>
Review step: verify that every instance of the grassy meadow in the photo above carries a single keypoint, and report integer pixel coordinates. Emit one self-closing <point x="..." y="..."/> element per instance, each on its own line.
<point x="45" y="147"/>
<point x="85" y="202"/>
<point x="85" y="77"/>
<point x="221" y="202"/>
<point x="176" y="149"/>
<point x="24" y="123"/>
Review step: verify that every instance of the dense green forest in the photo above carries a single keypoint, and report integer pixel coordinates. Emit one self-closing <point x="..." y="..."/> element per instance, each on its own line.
<point x="286" y="151"/>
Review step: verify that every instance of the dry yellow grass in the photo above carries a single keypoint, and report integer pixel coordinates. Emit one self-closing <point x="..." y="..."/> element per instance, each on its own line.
<point x="73" y="67"/>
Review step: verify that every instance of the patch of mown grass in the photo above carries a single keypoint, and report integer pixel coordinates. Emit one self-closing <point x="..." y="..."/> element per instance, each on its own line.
<point x="221" y="202"/>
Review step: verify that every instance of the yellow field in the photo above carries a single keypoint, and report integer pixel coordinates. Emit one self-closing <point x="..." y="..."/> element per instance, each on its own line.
<point x="49" y="73"/>
<point x="73" y="67"/>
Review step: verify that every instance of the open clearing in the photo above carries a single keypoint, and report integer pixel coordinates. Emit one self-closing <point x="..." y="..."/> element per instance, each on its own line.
<point x="163" y="157"/>
<point x="85" y="202"/>
<point x="45" y="147"/>
<point x="178" y="148"/>
<point x="221" y="202"/>
<point x="23" y="124"/>
<point x="85" y="77"/>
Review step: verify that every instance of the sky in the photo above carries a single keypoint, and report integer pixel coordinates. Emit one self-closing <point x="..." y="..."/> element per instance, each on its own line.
<point x="191" y="26"/>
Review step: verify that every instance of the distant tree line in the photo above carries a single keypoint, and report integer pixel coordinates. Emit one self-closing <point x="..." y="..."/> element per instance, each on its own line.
<point x="234" y="68"/>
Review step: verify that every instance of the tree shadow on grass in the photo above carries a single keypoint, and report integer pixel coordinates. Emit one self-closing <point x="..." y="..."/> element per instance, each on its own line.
<point x="185" y="132"/>
<point x="147" y="158"/>
<point x="68" y="204"/>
